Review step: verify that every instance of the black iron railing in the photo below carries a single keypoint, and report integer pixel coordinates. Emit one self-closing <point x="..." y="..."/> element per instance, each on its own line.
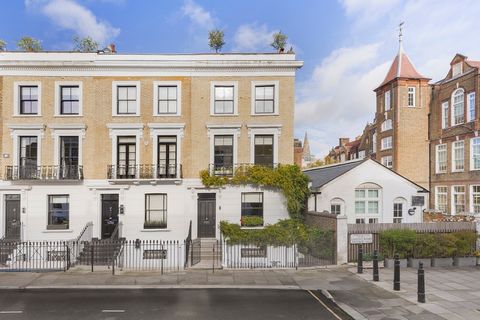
<point x="229" y="170"/>
<point x="144" y="171"/>
<point x="14" y="173"/>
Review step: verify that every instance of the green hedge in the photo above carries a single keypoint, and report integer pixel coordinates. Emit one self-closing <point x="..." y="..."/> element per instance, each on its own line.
<point x="407" y="244"/>
<point x="288" y="178"/>
<point x="251" y="221"/>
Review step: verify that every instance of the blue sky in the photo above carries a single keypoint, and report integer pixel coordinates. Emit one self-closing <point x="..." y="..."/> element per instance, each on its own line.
<point x="347" y="45"/>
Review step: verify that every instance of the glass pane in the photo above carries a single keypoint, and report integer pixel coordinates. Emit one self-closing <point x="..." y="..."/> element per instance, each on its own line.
<point x="228" y="105"/>
<point x="162" y="93"/>
<point x="359" y="193"/>
<point x="132" y="93"/>
<point x="268" y="106"/>
<point x="269" y="92"/>
<point x="122" y="107"/>
<point x="259" y="106"/>
<point x="172" y="93"/>
<point x="156" y="201"/>
<point x="252" y="197"/>
<point x="162" y="106"/>
<point x="172" y="106"/>
<point x="259" y="93"/>
<point x="373" y="193"/>
<point x="132" y="106"/>
<point x="122" y="93"/>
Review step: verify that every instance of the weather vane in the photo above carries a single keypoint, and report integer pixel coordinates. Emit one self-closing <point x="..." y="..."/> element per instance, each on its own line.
<point x="400" y="31"/>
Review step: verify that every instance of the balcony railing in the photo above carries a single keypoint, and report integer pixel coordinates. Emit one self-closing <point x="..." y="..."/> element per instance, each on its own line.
<point x="43" y="173"/>
<point x="144" y="172"/>
<point x="227" y="171"/>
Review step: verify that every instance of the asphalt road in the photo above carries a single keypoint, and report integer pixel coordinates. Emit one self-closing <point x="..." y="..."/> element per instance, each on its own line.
<point x="198" y="304"/>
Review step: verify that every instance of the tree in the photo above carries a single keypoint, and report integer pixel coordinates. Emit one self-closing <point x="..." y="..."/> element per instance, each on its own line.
<point x="215" y="38"/>
<point x="317" y="163"/>
<point x="86" y="44"/>
<point x="279" y="41"/>
<point x="29" y="44"/>
<point x="3" y="45"/>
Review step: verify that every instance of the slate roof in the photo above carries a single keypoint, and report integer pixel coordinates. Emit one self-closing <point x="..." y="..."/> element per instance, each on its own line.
<point x="401" y="68"/>
<point x="322" y="175"/>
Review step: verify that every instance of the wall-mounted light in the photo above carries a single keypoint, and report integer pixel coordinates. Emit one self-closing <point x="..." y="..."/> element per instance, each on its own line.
<point x="24" y="210"/>
<point x="122" y="209"/>
<point x="137" y="243"/>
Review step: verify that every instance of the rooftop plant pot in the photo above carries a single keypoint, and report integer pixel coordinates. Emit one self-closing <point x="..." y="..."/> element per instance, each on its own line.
<point x="390" y="263"/>
<point x="465" y="261"/>
<point x="414" y="262"/>
<point x="442" y="262"/>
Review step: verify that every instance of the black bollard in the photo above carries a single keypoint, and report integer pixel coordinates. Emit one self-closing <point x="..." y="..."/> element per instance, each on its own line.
<point x="396" y="274"/>
<point x="421" y="283"/>
<point x="375" y="266"/>
<point x="360" y="259"/>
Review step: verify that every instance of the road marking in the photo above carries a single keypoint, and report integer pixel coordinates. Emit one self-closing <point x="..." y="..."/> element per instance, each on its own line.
<point x="113" y="311"/>
<point x="10" y="312"/>
<point x="323" y="304"/>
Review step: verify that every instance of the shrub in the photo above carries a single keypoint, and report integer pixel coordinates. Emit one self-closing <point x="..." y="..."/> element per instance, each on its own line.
<point x="251" y="221"/>
<point x="465" y="243"/>
<point x="288" y="178"/>
<point x="425" y="245"/>
<point x="399" y="242"/>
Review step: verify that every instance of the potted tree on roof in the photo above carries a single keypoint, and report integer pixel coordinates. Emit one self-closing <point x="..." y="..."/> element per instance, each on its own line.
<point x="279" y="41"/>
<point x="215" y="39"/>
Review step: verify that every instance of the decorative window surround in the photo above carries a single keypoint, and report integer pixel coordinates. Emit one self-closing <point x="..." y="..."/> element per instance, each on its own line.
<point x="441" y="158"/>
<point x="19" y="130"/>
<point x="276" y="102"/>
<point x="458" y="163"/>
<point x="125" y="129"/>
<point x="223" y="129"/>
<point x="116" y="84"/>
<point x="166" y="129"/>
<point x="67" y="130"/>
<point x="16" y="98"/>
<point x="235" y="98"/>
<point x="264" y="129"/>
<point x="58" y="98"/>
<point x="157" y="84"/>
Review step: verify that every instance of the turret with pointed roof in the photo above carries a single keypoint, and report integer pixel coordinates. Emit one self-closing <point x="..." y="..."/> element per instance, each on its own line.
<point x="401" y="120"/>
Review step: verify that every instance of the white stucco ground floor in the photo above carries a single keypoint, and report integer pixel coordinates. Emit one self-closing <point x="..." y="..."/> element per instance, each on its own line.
<point x="145" y="211"/>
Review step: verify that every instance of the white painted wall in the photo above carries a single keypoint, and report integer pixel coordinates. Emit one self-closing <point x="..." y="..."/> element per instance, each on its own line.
<point x="392" y="186"/>
<point x="85" y="206"/>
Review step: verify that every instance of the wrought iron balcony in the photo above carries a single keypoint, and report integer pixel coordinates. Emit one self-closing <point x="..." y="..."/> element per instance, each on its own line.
<point x="144" y="172"/>
<point x="228" y="171"/>
<point x="43" y="173"/>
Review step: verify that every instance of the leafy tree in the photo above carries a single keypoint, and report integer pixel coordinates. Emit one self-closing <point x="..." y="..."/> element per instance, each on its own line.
<point x="215" y="39"/>
<point x="3" y="45"/>
<point x="317" y="163"/>
<point x="29" y="44"/>
<point x="279" y="41"/>
<point x="86" y="44"/>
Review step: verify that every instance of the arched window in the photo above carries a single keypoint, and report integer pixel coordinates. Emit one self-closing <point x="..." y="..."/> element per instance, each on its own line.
<point x="387" y="125"/>
<point x="458" y="109"/>
<point x="399" y="207"/>
<point x="337" y="206"/>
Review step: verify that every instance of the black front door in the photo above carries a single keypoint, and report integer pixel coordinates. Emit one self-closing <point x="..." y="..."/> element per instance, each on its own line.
<point x="109" y="214"/>
<point x="12" y="217"/>
<point x="206" y="215"/>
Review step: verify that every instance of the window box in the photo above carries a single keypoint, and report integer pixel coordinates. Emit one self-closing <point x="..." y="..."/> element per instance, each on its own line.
<point x="155" y="225"/>
<point x="251" y="221"/>
<point x="58" y="227"/>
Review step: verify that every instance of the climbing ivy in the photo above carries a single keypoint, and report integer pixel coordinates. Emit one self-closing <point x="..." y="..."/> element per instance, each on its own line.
<point x="288" y="178"/>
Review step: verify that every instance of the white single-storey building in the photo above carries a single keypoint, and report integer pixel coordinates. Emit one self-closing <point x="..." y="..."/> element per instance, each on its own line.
<point x="366" y="192"/>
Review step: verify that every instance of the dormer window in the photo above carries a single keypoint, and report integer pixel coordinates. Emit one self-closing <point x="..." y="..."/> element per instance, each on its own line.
<point x="457" y="69"/>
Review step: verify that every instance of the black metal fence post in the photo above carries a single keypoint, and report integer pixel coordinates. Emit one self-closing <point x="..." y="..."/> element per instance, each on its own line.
<point x="396" y="274"/>
<point x="375" y="266"/>
<point x="421" y="283"/>
<point x="360" y="259"/>
<point x="91" y="254"/>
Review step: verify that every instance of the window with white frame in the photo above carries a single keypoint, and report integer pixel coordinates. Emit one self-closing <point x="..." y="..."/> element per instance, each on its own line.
<point x="372" y="220"/>
<point x="388" y="100"/>
<point x="457" y="69"/>
<point x="441" y="197"/>
<point x="264" y="99"/>
<point x="336" y="205"/>
<point x="126" y="98"/>
<point x="155" y="211"/>
<point x="167" y="100"/>
<point x="263" y="150"/>
<point x="475" y="196"/>
<point x="28" y="100"/>
<point x="386" y="143"/>
<point x="58" y="212"/>
<point x="458" y="199"/>
<point x="360" y="221"/>
<point x="411" y="96"/>
<point x="69" y="100"/>
<point x="398" y="207"/>
<point x="458" y="155"/>
<point x="387" y="161"/>
<point x="475" y="153"/>
<point x="458" y="107"/>
<point x="387" y="125"/>
<point x="471" y="106"/>
<point x="445" y="115"/>
<point x="224" y="99"/>
<point x="366" y="201"/>
<point x="223" y="154"/>
<point x="441" y="158"/>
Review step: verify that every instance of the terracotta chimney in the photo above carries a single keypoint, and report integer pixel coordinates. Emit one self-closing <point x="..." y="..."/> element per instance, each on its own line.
<point x="112" y="48"/>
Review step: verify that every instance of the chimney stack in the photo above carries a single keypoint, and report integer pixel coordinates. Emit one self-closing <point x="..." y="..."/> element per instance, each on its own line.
<point x="112" y="48"/>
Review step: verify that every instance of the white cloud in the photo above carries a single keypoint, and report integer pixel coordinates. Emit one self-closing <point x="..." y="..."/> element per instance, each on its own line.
<point x="253" y="37"/>
<point x="337" y="99"/>
<point x="68" y="14"/>
<point x="198" y="15"/>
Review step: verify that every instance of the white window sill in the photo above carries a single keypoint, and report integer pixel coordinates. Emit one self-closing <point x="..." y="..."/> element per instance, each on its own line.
<point x="224" y="115"/>
<point x="167" y="115"/>
<point x="125" y="115"/>
<point x="457" y="171"/>
<point x="441" y="172"/>
<point x="68" y="116"/>
<point x="26" y="115"/>
<point x="155" y="230"/>
<point x="58" y="231"/>
<point x="263" y="114"/>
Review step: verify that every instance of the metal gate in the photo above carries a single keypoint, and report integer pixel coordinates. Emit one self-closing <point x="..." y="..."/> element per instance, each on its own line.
<point x="196" y="251"/>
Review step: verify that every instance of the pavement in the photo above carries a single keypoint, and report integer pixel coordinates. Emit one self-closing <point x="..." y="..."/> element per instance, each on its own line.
<point x="359" y="298"/>
<point x="451" y="293"/>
